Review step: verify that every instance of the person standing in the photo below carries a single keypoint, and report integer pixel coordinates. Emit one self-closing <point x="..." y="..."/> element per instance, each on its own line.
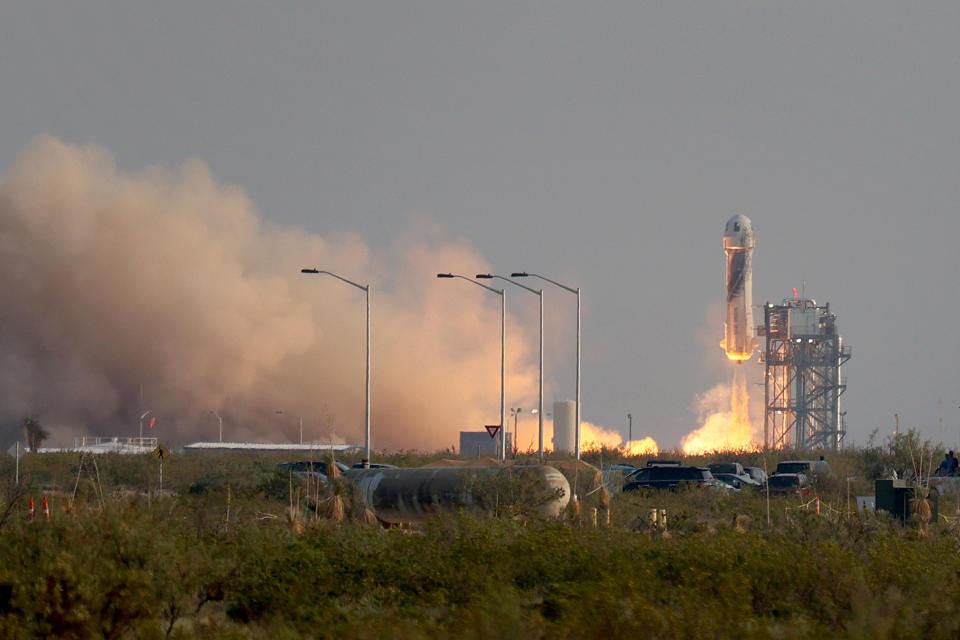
<point x="946" y="465"/>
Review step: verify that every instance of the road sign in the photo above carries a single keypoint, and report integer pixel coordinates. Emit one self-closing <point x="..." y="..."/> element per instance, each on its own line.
<point x="493" y="429"/>
<point x="161" y="452"/>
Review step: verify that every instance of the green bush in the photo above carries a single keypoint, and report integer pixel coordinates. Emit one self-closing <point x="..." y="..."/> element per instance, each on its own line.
<point x="221" y="555"/>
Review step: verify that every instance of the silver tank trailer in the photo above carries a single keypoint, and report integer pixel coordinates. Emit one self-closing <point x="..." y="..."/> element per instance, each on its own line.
<point x="414" y="495"/>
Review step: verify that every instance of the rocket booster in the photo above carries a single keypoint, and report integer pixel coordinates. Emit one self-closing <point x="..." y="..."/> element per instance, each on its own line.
<point x="738" y="241"/>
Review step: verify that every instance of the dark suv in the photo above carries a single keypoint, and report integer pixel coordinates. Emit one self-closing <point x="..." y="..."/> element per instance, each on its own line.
<point x="789" y="484"/>
<point x="670" y="477"/>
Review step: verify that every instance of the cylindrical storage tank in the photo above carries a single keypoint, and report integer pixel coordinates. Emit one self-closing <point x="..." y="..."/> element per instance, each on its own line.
<point x="564" y="425"/>
<point x="413" y="495"/>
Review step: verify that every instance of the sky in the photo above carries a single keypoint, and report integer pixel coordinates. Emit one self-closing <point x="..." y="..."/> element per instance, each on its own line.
<point x="601" y="146"/>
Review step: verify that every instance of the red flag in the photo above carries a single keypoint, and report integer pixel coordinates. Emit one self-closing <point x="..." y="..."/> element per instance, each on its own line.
<point x="794" y="292"/>
<point x="153" y="421"/>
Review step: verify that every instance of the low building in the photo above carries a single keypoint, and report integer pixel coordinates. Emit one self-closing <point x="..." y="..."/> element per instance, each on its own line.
<point x="271" y="447"/>
<point x="479" y="444"/>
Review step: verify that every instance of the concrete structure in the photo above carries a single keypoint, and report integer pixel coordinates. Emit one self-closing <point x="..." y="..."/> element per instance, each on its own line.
<point x="564" y="426"/>
<point x="479" y="443"/>
<point x="271" y="447"/>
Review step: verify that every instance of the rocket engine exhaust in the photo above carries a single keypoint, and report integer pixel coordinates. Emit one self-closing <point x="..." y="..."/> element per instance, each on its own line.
<point x="738" y="242"/>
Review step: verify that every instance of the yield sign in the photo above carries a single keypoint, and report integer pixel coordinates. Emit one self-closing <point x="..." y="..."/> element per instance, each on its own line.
<point x="492" y="429"/>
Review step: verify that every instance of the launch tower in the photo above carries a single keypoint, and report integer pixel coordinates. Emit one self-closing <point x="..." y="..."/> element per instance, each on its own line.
<point x="803" y="385"/>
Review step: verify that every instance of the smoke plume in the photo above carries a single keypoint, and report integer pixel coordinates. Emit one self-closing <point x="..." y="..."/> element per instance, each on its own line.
<point x="170" y="282"/>
<point x="592" y="437"/>
<point x="724" y="413"/>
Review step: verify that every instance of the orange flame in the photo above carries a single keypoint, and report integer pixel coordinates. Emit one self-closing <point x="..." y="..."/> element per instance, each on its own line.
<point x="644" y="447"/>
<point x="596" y="437"/>
<point x="723" y="429"/>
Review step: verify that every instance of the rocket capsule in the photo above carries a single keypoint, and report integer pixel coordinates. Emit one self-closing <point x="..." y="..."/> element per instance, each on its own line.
<point x="738" y="242"/>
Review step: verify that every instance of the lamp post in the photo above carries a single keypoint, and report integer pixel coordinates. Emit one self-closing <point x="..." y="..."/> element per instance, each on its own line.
<point x="515" y="414"/>
<point x="300" y="418"/>
<point x="503" y="351"/>
<point x="539" y="293"/>
<point x="220" y="422"/>
<point x="366" y="290"/>
<point x="524" y="274"/>
<point x="144" y="415"/>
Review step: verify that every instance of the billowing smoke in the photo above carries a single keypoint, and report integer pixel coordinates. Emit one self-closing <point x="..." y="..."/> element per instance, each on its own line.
<point x="724" y="413"/>
<point x="170" y="282"/>
<point x="592" y="437"/>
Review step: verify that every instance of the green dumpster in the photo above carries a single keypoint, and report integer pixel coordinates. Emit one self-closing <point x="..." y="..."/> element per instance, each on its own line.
<point x="894" y="496"/>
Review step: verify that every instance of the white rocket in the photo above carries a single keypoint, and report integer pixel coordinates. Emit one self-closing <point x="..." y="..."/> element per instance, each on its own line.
<point x="738" y="240"/>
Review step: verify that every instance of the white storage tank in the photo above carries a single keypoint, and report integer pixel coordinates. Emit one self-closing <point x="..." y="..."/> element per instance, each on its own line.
<point x="564" y="425"/>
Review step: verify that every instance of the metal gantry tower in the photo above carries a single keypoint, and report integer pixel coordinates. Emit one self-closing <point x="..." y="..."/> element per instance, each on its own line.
<point x="802" y="381"/>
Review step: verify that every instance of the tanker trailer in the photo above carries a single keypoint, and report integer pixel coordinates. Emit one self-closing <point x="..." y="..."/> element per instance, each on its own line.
<point x="413" y="495"/>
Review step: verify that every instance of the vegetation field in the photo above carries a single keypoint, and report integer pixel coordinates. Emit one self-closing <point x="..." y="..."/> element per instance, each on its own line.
<point x="232" y="547"/>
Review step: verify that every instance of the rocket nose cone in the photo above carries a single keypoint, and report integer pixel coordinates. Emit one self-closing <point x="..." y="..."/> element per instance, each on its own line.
<point x="737" y="225"/>
<point x="738" y="233"/>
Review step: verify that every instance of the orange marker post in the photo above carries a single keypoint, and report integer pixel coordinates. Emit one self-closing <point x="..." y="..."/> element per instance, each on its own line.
<point x="46" y="509"/>
<point x="31" y="512"/>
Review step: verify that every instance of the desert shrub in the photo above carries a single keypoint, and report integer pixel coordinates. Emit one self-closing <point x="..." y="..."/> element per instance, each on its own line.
<point x="227" y="562"/>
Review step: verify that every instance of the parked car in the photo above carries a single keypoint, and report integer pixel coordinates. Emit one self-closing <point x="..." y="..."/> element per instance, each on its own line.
<point x="671" y="477"/>
<point x="737" y="481"/>
<point x="789" y="484"/>
<point x="795" y="466"/>
<point x="626" y="468"/>
<point x="664" y="463"/>
<point x="726" y="467"/>
<point x="757" y="474"/>
<point x="310" y="468"/>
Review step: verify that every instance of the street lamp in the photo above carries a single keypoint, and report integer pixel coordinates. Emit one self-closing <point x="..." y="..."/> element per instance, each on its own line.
<point x="539" y="293"/>
<point x="515" y="414"/>
<point x="503" y="351"/>
<point x="141" y="426"/>
<point x="301" y="424"/>
<point x="366" y="289"/>
<point x="524" y="274"/>
<point x="220" y="421"/>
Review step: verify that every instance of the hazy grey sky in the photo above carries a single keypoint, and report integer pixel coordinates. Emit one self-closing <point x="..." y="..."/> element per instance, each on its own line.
<point x="603" y="145"/>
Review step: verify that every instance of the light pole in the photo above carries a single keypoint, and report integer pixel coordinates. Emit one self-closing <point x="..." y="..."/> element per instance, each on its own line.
<point x="630" y="428"/>
<point x="539" y="293"/>
<point x="300" y="418"/>
<point x="503" y="352"/>
<point x="524" y="274"/>
<point x="140" y="444"/>
<point x="220" y="421"/>
<point x="515" y="414"/>
<point x="366" y="290"/>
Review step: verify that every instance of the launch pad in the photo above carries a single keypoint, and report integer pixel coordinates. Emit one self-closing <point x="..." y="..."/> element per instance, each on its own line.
<point x="802" y="381"/>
